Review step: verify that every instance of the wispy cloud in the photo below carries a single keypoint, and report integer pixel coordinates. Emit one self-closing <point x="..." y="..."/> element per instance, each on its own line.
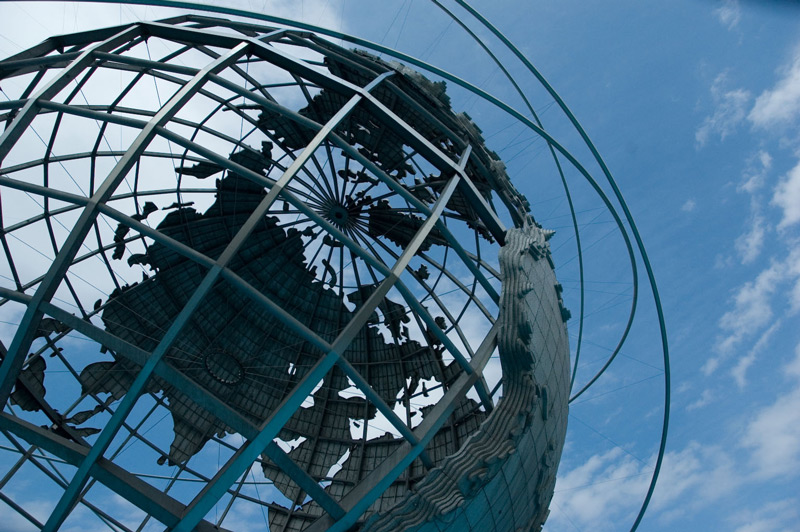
<point x="729" y="110"/>
<point x="749" y="244"/>
<point x="739" y="372"/>
<point x="752" y="308"/>
<point x="705" y="398"/>
<point x="729" y="13"/>
<point x="753" y="304"/>
<point x="775" y="516"/>
<point x="787" y="197"/>
<point x="755" y="173"/>
<point x="604" y="490"/>
<point x="598" y="491"/>
<point x="780" y="105"/>
<point x="774" y="434"/>
<point x="689" y="205"/>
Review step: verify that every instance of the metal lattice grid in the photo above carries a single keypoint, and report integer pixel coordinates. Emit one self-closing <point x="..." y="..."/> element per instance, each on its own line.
<point x="482" y="254"/>
<point x="310" y="301"/>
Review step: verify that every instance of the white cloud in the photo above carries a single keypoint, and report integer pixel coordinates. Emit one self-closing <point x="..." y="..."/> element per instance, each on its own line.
<point x="729" y="13"/>
<point x="793" y="263"/>
<point x="598" y="491"/>
<point x="793" y="368"/>
<point x="787" y="197"/>
<point x="604" y="491"/>
<point x="722" y="262"/>
<point x="25" y="25"/>
<point x="739" y="372"/>
<point x="14" y="522"/>
<point x="705" y="398"/>
<point x="729" y="111"/>
<point x="748" y="245"/>
<point x="752" y="309"/>
<point x="774" y="434"/>
<point x="756" y="172"/>
<point x="777" y="516"/>
<point x="704" y="473"/>
<point x="751" y="242"/>
<point x="689" y="205"/>
<point x="780" y="105"/>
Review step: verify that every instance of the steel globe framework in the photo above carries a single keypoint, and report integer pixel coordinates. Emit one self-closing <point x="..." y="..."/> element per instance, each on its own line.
<point x="272" y="263"/>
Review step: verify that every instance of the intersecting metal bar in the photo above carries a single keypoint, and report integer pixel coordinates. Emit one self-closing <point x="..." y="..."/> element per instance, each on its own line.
<point x="379" y="479"/>
<point x="21" y="122"/>
<point x="287" y="319"/>
<point x="146" y="64"/>
<point x="12" y="364"/>
<point x="19" y="67"/>
<point x="19" y="509"/>
<point x="140" y="493"/>
<point x="225" y="163"/>
<point x="254" y="294"/>
<point x="61" y="42"/>
<point x="397" y="270"/>
<point x="321" y="135"/>
<point x="459" y="168"/>
<point x="64" y="257"/>
<point x="233" y="24"/>
<point x="55" y="418"/>
<point x="344" y="86"/>
<point x="56" y="476"/>
<point x="375" y="398"/>
<point x="301" y="329"/>
<point x="10" y="170"/>
<point x="191" y="389"/>
<point x="269" y="429"/>
<point x="88" y="112"/>
<point x="242" y="459"/>
<point x="420" y="243"/>
<point x="423" y="313"/>
<point x="435" y="155"/>
<point x="389" y="182"/>
<point x="281" y="460"/>
<point x="13" y="104"/>
<point x="280" y="59"/>
<point x="253" y="176"/>
<point x="268" y="53"/>
<point x="368" y="44"/>
<point x="40" y="190"/>
<point x="103" y="208"/>
<point x="415" y="139"/>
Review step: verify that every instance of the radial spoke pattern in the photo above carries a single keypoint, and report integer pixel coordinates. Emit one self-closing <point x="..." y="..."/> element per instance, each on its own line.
<point x="258" y="277"/>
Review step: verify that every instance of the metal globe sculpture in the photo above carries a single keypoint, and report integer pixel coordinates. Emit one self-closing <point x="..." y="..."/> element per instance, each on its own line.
<point x="262" y="247"/>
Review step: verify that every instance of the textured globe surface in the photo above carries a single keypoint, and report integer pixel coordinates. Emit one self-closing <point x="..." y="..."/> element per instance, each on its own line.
<point x="248" y="268"/>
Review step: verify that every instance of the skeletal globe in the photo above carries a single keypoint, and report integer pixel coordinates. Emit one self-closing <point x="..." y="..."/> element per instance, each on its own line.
<point x="256" y="279"/>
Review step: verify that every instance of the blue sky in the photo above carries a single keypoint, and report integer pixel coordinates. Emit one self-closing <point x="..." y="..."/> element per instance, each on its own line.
<point x="695" y="107"/>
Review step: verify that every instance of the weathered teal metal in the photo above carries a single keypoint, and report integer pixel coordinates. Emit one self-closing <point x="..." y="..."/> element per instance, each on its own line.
<point x="453" y="494"/>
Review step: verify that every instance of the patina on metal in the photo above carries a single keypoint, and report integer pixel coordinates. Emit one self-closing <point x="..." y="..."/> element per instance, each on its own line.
<point x="302" y="215"/>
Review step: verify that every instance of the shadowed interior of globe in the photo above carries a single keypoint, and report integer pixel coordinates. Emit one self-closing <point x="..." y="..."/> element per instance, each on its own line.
<point x="304" y="187"/>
